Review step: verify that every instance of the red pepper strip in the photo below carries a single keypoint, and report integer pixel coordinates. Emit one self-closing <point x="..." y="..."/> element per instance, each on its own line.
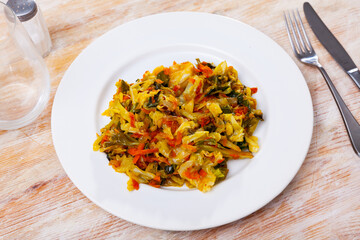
<point x="135" y="184"/>
<point x="154" y="184"/>
<point x="220" y="161"/>
<point x="198" y="89"/>
<point x="198" y="97"/>
<point x="126" y="97"/>
<point x="136" y="135"/>
<point x="176" y="87"/>
<point x="168" y="123"/>
<point x="132" y="119"/>
<point x="253" y="90"/>
<point x="192" y="80"/>
<point x="202" y="173"/>
<point x="172" y="124"/>
<point x="155" y="140"/>
<point x="241" y="110"/>
<point x="204" y="121"/>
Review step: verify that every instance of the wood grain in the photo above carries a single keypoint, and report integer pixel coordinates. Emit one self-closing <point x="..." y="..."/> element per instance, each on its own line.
<point x="38" y="201"/>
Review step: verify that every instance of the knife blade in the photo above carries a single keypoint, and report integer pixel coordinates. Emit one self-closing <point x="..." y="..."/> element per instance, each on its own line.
<point x="332" y="45"/>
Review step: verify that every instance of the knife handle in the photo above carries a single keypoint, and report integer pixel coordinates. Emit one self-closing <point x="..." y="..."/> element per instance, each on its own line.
<point x="355" y="76"/>
<point x="352" y="126"/>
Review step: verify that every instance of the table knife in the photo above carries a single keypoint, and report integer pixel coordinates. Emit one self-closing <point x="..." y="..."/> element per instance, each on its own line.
<point x="331" y="44"/>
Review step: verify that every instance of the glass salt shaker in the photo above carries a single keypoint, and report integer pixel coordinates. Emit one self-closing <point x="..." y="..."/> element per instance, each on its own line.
<point x="31" y="17"/>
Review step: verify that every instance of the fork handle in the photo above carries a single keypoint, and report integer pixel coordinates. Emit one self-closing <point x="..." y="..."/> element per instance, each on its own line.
<point x="352" y="126"/>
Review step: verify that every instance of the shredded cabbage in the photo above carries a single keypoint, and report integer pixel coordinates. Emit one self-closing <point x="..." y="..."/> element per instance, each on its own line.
<point x="180" y="125"/>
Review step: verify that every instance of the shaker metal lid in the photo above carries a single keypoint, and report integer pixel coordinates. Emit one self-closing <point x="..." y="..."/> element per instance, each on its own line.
<point x="23" y="9"/>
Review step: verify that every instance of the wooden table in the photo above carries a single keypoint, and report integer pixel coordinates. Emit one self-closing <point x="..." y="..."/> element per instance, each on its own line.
<point x="38" y="201"/>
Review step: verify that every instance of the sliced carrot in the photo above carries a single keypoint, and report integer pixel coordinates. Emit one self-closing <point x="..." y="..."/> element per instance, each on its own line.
<point x="141" y="146"/>
<point x="198" y="89"/>
<point x="136" y="158"/>
<point x="136" y="135"/>
<point x="167" y="71"/>
<point x="132" y="119"/>
<point x="157" y="178"/>
<point x="178" y="139"/>
<point x="134" y="152"/>
<point x="205" y="70"/>
<point x="154" y="184"/>
<point x="204" y="121"/>
<point x="189" y="147"/>
<point x="154" y="133"/>
<point x="234" y="155"/>
<point x="115" y="163"/>
<point x="159" y="81"/>
<point x="196" y="70"/>
<point x="191" y="175"/>
<point x="105" y="139"/>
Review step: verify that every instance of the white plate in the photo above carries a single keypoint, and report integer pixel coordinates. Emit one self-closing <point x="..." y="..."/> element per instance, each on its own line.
<point x="127" y="52"/>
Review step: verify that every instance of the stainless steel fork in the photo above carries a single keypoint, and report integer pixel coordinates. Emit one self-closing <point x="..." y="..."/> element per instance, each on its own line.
<point x="305" y="53"/>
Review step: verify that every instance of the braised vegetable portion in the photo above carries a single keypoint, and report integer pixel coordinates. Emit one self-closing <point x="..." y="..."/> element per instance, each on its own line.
<point x="180" y="125"/>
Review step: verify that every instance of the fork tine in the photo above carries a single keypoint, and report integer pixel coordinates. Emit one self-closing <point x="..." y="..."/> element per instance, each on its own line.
<point x="289" y="34"/>
<point x="294" y="34"/>
<point x="301" y="40"/>
<point x="304" y="33"/>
